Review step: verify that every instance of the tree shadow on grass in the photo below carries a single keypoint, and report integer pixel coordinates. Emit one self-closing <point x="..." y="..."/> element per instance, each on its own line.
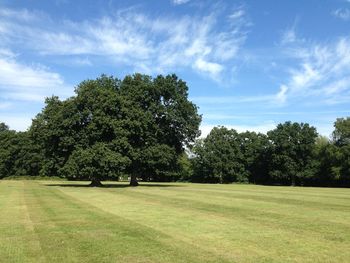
<point x="114" y="185"/>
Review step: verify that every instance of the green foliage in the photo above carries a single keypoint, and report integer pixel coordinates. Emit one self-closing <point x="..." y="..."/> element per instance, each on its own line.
<point x="160" y="120"/>
<point x="160" y="163"/>
<point x="19" y="156"/>
<point x="291" y="152"/>
<point x="7" y="139"/>
<point x="341" y="133"/>
<point x="139" y="127"/>
<point x="53" y="130"/>
<point x="219" y="158"/>
<point x="142" y="123"/>
<point x="333" y="157"/>
<point x="255" y="151"/>
<point x="79" y="131"/>
<point x="95" y="163"/>
<point x="28" y="156"/>
<point x="185" y="168"/>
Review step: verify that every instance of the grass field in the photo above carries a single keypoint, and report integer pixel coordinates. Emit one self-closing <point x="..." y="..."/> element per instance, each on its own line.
<point x="48" y="221"/>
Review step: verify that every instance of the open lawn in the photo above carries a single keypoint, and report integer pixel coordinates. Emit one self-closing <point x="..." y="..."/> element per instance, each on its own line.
<point x="48" y="221"/>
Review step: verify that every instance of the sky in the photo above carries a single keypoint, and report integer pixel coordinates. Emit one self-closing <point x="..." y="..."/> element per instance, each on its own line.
<point x="249" y="65"/>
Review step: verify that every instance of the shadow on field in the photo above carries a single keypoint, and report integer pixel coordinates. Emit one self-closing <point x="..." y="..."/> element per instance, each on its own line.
<point x="114" y="185"/>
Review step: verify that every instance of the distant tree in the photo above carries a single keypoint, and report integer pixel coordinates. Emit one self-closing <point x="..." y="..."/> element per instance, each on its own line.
<point x="7" y="158"/>
<point x="4" y="127"/>
<point x="28" y="156"/>
<point x="327" y="158"/>
<point x="291" y="152"/>
<point x="186" y="167"/>
<point x="345" y="166"/>
<point x="341" y="133"/>
<point x="18" y="155"/>
<point x="218" y="158"/>
<point x="52" y="131"/>
<point x="341" y="139"/>
<point x="255" y="152"/>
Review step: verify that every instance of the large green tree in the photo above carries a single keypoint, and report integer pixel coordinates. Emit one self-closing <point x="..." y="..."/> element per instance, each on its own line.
<point x="73" y="133"/>
<point x="218" y="158"/>
<point x="140" y="124"/>
<point x="292" y="146"/>
<point x="161" y="122"/>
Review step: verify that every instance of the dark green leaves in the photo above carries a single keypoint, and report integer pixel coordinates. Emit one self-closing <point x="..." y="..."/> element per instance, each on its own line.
<point x="139" y="125"/>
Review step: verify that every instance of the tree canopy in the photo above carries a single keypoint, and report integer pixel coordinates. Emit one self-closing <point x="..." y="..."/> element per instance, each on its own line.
<point x="138" y="125"/>
<point x="291" y="151"/>
<point x="219" y="158"/>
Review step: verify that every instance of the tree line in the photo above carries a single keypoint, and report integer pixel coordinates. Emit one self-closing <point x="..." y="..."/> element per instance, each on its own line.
<point x="146" y="129"/>
<point x="290" y="154"/>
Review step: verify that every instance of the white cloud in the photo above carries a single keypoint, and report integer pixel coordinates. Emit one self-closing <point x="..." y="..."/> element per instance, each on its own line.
<point x="266" y="100"/>
<point x="342" y="13"/>
<point x="27" y="82"/>
<point x="5" y="105"/>
<point x="22" y="14"/>
<point x="180" y="2"/>
<point x="323" y="73"/>
<point x="81" y="61"/>
<point x="214" y="69"/>
<point x="289" y="36"/>
<point x="281" y="95"/>
<point x="262" y="128"/>
<point x="15" y="122"/>
<point x="6" y="53"/>
<point x="154" y="45"/>
<point x="237" y="14"/>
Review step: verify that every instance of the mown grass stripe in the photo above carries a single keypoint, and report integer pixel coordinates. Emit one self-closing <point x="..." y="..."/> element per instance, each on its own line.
<point x="172" y="223"/>
<point x="81" y="231"/>
<point x="281" y="225"/>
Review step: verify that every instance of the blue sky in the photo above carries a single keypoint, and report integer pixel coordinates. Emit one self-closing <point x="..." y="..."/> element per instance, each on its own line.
<point x="249" y="65"/>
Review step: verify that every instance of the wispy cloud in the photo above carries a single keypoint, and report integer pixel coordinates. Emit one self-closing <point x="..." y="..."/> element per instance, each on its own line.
<point x="81" y="61"/>
<point x="5" y="105"/>
<point x="21" y="15"/>
<point x="342" y="13"/>
<point x="323" y="72"/>
<point x="19" y="81"/>
<point x="266" y="100"/>
<point x="180" y="2"/>
<point x="152" y="45"/>
<point x="290" y="34"/>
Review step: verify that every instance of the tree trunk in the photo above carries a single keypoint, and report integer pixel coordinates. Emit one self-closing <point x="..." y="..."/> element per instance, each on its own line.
<point x="293" y="180"/>
<point x="96" y="183"/>
<point x="133" y="180"/>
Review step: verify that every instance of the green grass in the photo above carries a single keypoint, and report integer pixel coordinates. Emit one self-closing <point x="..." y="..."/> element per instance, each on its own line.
<point x="59" y="221"/>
